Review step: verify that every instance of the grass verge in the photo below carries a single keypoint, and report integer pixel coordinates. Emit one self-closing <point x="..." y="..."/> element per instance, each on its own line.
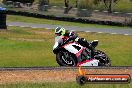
<point x="33" y="47"/>
<point x="14" y="18"/>
<point x="26" y="47"/>
<point x="64" y="85"/>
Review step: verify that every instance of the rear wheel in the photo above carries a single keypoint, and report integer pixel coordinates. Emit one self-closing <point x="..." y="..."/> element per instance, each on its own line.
<point x="64" y="58"/>
<point x="104" y="60"/>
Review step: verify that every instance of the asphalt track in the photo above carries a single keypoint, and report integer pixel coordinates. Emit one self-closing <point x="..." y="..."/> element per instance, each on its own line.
<point x="73" y="28"/>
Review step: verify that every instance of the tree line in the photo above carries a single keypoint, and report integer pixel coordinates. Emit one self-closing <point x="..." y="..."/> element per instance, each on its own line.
<point x="88" y="4"/>
<point x="80" y="4"/>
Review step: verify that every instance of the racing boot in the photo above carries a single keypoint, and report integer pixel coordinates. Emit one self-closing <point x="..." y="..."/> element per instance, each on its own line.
<point x="85" y="43"/>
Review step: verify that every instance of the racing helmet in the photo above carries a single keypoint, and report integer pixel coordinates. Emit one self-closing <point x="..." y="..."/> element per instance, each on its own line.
<point x="60" y="31"/>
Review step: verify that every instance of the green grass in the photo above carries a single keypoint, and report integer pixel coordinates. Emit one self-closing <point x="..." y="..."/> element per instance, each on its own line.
<point x="35" y="51"/>
<point x="121" y="6"/>
<point x="59" y="2"/>
<point x="124" y="6"/>
<point x="64" y="85"/>
<point x="13" y="18"/>
<point x="33" y="47"/>
<point x="25" y="53"/>
<point x="116" y="46"/>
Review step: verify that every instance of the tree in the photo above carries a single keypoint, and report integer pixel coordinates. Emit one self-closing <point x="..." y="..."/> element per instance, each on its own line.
<point x="43" y="5"/>
<point x="77" y="2"/>
<point x="109" y="4"/>
<point x="67" y="6"/>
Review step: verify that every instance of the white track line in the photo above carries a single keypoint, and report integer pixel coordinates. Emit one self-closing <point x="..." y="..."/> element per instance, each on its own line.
<point x="10" y="25"/>
<point x="99" y="32"/>
<point x="22" y="26"/>
<point x="113" y="33"/>
<point x="126" y="34"/>
<point x="87" y="31"/>
<point x="47" y="28"/>
<point x="73" y="30"/>
<point x="33" y="27"/>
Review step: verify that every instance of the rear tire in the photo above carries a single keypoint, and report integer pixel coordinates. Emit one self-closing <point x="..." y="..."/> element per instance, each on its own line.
<point x="62" y="61"/>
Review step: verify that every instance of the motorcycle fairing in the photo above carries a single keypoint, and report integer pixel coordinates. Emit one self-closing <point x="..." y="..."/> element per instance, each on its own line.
<point x="92" y="62"/>
<point x="74" y="48"/>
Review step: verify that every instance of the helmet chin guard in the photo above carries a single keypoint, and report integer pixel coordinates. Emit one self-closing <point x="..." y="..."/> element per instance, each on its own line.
<point x="60" y="31"/>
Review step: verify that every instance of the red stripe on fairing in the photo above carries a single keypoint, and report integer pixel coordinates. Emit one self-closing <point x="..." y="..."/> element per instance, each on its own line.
<point x="70" y="43"/>
<point x="65" y="37"/>
<point x="76" y="42"/>
<point x="67" y="44"/>
<point x="79" y="63"/>
<point x="77" y="54"/>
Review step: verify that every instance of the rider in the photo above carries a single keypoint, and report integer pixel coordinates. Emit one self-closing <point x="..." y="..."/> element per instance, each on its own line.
<point x="60" y="31"/>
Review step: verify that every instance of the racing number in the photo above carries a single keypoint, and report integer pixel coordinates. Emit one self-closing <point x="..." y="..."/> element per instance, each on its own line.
<point x="76" y="47"/>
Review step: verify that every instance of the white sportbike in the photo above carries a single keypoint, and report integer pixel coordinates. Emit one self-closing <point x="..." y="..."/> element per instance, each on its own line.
<point x="70" y="53"/>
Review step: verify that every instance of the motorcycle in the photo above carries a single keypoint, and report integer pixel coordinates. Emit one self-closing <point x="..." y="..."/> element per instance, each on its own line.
<point x="67" y="52"/>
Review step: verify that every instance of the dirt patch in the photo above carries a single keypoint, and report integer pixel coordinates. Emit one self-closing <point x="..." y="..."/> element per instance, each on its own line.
<point x="52" y="75"/>
<point x="36" y="76"/>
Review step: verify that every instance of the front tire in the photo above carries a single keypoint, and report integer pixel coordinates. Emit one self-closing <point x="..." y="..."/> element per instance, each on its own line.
<point x="104" y="60"/>
<point x="64" y="58"/>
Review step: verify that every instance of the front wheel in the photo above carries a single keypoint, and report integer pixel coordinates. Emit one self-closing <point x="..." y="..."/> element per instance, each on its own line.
<point x="104" y="60"/>
<point x="64" y="58"/>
